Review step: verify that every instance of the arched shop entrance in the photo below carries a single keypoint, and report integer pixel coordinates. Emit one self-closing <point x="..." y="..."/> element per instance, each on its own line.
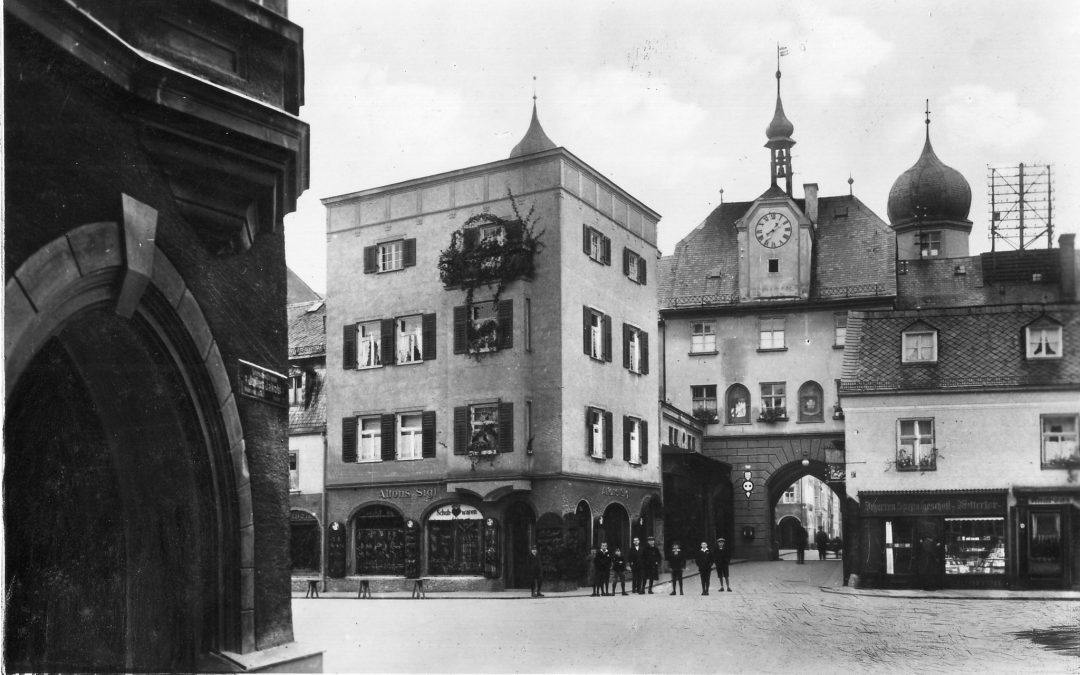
<point x="305" y="542"/>
<point x="455" y="540"/>
<point x="379" y="541"/>
<point x="615" y="528"/>
<point x="644" y="526"/>
<point x="520" y="536"/>
<point x="800" y="494"/>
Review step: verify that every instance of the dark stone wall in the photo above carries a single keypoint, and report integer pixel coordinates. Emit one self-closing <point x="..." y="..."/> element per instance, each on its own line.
<point x="72" y="148"/>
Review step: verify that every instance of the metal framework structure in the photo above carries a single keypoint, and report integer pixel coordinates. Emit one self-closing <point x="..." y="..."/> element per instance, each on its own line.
<point x="1021" y="205"/>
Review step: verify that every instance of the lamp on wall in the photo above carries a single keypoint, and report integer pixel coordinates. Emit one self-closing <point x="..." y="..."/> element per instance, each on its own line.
<point x="805" y="460"/>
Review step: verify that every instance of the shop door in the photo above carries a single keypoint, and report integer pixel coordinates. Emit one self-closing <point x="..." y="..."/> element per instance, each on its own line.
<point x="1045" y="555"/>
<point x="520" y="523"/>
<point x="900" y="547"/>
<point x="454" y="547"/>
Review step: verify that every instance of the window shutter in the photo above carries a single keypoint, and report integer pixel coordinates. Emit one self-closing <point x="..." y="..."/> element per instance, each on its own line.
<point x="643" y="435"/>
<point x="626" y="261"/>
<point x="586" y="321"/>
<point x="461" y="430"/>
<point x="461" y="339"/>
<point x="626" y="438"/>
<point x="348" y="439"/>
<point x="626" y="331"/>
<point x="585" y="240"/>
<point x="371" y="259"/>
<point x="643" y="272"/>
<point x="427" y="423"/>
<point x="515" y="231"/>
<point x="506" y="427"/>
<point x="609" y="450"/>
<point x="386" y="337"/>
<point x="605" y="250"/>
<point x="644" y="338"/>
<point x="605" y="322"/>
<point x="427" y="333"/>
<point x="505" y="313"/>
<point x="348" y="347"/>
<point x="389" y="432"/>
<point x="471" y="238"/>
<point x="409" y="253"/>
<point x="588" y="431"/>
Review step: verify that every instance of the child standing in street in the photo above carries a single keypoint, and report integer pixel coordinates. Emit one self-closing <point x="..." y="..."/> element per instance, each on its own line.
<point x="722" y="557"/>
<point x="618" y="566"/>
<point x="676" y="561"/>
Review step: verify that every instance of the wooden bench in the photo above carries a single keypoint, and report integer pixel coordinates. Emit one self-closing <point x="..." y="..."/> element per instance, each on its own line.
<point x="364" y="592"/>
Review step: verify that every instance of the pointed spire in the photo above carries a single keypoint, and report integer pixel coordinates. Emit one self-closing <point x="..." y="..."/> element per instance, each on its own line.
<point x="535" y="140"/>
<point x="780" y="129"/>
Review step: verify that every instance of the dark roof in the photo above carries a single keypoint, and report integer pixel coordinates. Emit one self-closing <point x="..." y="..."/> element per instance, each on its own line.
<point x="1003" y="277"/>
<point x="309" y="416"/>
<point x="307" y="329"/>
<point x="297" y="289"/>
<point x="854" y="256"/>
<point x="978" y="348"/>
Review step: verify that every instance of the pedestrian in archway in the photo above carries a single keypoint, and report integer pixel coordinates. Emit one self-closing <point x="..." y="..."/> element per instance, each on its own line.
<point x="821" y="540"/>
<point x="801" y="537"/>
<point x="704" y="560"/>
<point x="722" y="559"/>
<point x="652" y="559"/>
<point x="676" y="562"/>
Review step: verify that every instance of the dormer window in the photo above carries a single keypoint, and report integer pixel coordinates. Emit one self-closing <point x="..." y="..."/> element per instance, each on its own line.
<point x="919" y="344"/>
<point x="1043" y="339"/>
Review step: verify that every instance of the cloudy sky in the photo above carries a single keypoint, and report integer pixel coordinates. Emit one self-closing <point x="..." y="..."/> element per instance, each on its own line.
<point x="670" y="100"/>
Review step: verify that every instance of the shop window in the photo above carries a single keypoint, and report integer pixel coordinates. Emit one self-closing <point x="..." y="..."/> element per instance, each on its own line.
<point x="974" y="546"/>
<point x="810" y="405"/>
<point x="1043" y="340"/>
<point x="1059" y="442"/>
<point x="773" y="402"/>
<point x="305" y="544"/>
<point x="455" y="541"/>
<point x="915" y="446"/>
<point x="380" y="541"/>
<point x="702" y="337"/>
<point x="919" y="344"/>
<point x="738" y="404"/>
<point x="771" y="333"/>
<point x="703" y="402"/>
<point x="1045" y="553"/>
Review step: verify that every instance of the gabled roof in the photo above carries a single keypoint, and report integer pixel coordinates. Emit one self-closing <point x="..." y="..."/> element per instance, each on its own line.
<point x="297" y="289"/>
<point x="854" y="256"/>
<point x="978" y="348"/>
<point x="307" y="329"/>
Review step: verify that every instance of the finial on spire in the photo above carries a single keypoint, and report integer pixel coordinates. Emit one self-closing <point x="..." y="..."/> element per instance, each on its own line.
<point x="927" y="120"/>
<point x="721" y="195"/>
<point x="850" y="182"/>
<point x="534" y="90"/>
<point x="780" y="51"/>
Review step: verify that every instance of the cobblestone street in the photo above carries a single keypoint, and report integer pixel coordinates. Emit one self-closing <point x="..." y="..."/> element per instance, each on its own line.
<point x="778" y="619"/>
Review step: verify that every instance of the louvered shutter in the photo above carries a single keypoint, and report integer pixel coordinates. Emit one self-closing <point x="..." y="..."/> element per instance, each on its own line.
<point x="644" y="435"/>
<point x="644" y="337"/>
<point x="348" y="439"/>
<point x="626" y="422"/>
<point x="609" y="435"/>
<point x="588" y="431"/>
<point x="626" y="332"/>
<point x="586" y="324"/>
<point x="388" y="429"/>
<point x="461" y="334"/>
<point x="427" y="448"/>
<point x="643" y="272"/>
<point x="626" y="261"/>
<point x="506" y="427"/>
<point x="606" y="324"/>
<point x="427" y="330"/>
<point x="371" y="259"/>
<point x="348" y="347"/>
<point x="386" y="340"/>
<point x="461" y="430"/>
<point x="409" y="253"/>
<point x="585" y="240"/>
<point x="505" y="312"/>
<point x="605" y="250"/>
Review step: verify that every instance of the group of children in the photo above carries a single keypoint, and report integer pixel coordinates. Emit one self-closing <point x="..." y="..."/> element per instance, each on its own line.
<point x="644" y="563"/>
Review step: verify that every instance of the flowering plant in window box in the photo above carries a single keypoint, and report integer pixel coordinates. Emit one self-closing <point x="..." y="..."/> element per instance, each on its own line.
<point x="771" y="415"/>
<point x="837" y="412"/>
<point x="1067" y="462"/>
<point x="706" y="416"/>
<point x="485" y="439"/>
<point x="485" y="337"/>
<point x="905" y="462"/>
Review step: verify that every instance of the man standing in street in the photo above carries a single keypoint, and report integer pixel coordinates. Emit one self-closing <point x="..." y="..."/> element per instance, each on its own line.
<point x="801" y="536"/>
<point x="536" y="572"/>
<point x="676" y="561"/>
<point x="634" y="557"/>
<point x="821" y="540"/>
<point x="652" y="559"/>
<point x="722" y="558"/>
<point x="704" y="561"/>
<point x="602" y="565"/>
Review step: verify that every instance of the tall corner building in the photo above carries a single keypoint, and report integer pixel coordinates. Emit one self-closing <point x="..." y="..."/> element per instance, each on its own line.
<point x="491" y="371"/>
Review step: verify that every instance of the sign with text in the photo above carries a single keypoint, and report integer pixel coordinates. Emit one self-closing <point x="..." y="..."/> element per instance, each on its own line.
<point x="262" y="384"/>
<point x="941" y="504"/>
<point x="456" y="512"/>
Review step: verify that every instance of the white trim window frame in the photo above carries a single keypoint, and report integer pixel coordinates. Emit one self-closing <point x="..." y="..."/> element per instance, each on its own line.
<point x="915" y="445"/>
<point x="369" y="345"/>
<point x="410" y="430"/>
<point x="597" y="432"/>
<point x="635" y="440"/>
<point x="391" y="255"/>
<point x="703" y="403"/>
<point x="634" y="347"/>
<point x="369" y="443"/>
<point x="296" y="388"/>
<point x="484" y="428"/>
<point x="919" y="346"/>
<point x="771" y="331"/>
<point x="774" y="398"/>
<point x="410" y="339"/>
<point x="596" y="335"/>
<point x="929" y="244"/>
<point x="702" y="337"/>
<point x="483" y="327"/>
<point x="1060" y="449"/>
<point x="1044" y="342"/>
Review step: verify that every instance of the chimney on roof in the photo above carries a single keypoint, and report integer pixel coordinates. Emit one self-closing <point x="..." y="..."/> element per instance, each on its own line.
<point x="1069" y="263"/>
<point x="810" y="191"/>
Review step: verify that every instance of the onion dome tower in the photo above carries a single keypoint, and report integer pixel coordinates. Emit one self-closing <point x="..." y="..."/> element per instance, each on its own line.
<point x="780" y="141"/>
<point x="928" y="207"/>
<point x="535" y="140"/>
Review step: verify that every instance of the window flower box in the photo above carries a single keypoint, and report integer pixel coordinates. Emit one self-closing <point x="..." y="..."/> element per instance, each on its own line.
<point x="772" y="415"/>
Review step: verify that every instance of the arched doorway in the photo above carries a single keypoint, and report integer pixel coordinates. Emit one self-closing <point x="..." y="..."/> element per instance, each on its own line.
<point x="305" y="544"/>
<point x="616" y="527"/>
<point x="801" y="497"/>
<point x="114" y="532"/>
<point x="379" y="541"/>
<point x="644" y="526"/>
<point x="521" y="534"/>
<point x="786" y="531"/>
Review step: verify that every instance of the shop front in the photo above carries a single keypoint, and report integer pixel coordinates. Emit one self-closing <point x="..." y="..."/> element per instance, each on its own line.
<point x="1046" y="522"/>
<point x="934" y="539"/>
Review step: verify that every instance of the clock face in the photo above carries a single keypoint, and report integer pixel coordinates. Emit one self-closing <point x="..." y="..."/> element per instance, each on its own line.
<point x="773" y="230"/>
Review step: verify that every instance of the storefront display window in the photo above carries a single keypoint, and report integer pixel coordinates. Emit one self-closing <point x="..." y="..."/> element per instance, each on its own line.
<point x="974" y="546"/>
<point x="455" y="541"/>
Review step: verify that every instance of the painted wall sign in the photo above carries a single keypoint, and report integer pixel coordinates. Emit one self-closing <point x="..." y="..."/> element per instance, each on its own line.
<point x="609" y="491"/>
<point x="262" y="383"/>
<point x="427" y="493"/>
<point x="933" y="505"/>
<point x="456" y="512"/>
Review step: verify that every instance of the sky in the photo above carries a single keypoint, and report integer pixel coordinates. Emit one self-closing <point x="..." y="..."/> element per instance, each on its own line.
<point x="670" y="100"/>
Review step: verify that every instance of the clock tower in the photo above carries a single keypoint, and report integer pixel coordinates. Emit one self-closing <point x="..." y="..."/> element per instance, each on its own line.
<point x="776" y="234"/>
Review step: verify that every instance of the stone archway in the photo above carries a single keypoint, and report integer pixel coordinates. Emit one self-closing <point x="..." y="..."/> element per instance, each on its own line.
<point x="778" y="483"/>
<point x="101" y="316"/>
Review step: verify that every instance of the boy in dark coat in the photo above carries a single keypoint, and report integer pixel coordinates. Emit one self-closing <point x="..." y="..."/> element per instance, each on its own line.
<point x="602" y="565"/>
<point x="651" y="559"/>
<point x="536" y="572"/>
<point x="722" y="557"/>
<point x="618" y="566"/>
<point x="676" y="561"/>
<point x="704" y="559"/>
<point x="637" y="567"/>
